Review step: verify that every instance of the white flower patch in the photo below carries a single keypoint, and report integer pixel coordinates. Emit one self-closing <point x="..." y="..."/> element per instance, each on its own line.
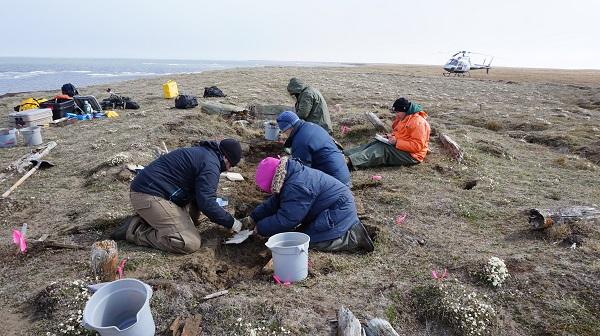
<point x="465" y="311"/>
<point x="495" y="272"/>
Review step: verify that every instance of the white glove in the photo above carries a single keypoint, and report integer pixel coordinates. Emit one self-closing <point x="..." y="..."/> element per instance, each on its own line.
<point x="237" y="226"/>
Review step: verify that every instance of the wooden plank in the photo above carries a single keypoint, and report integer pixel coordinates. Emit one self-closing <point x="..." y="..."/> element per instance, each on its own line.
<point x="545" y="218"/>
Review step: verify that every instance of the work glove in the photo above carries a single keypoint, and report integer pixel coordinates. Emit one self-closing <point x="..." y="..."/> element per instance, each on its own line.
<point x="248" y="223"/>
<point x="237" y="226"/>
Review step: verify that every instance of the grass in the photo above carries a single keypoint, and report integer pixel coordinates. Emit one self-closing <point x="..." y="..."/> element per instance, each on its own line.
<point x="513" y="175"/>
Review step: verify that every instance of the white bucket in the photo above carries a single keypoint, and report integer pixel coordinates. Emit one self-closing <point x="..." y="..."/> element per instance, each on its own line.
<point x="271" y="131"/>
<point x="290" y="255"/>
<point x="8" y="138"/>
<point x="120" y="308"/>
<point x="32" y="136"/>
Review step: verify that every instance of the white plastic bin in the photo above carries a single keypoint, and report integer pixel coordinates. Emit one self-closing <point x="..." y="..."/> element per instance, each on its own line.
<point x="290" y="255"/>
<point x="271" y="131"/>
<point x="8" y="137"/>
<point x="120" y="308"/>
<point x="32" y="136"/>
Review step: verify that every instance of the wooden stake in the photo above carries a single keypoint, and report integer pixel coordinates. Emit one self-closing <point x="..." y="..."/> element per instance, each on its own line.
<point x="214" y="295"/>
<point x="104" y="260"/>
<point x="451" y="146"/>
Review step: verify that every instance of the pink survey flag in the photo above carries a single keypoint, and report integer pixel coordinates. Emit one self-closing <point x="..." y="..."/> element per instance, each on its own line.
<point x="19" y="240"/>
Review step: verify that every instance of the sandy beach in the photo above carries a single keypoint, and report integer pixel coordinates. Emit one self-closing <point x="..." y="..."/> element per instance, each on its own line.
<point x="531" y="139"/>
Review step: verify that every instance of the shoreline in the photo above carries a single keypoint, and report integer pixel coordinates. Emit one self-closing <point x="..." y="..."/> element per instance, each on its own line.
<point x="537" y="75"/>
<point x="572" y="76"/>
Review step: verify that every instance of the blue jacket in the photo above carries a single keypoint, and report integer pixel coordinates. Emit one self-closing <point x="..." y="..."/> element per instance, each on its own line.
<point x="185" y="175"/>
<point x="310" y="201"/>
<point x="312" y="145"/>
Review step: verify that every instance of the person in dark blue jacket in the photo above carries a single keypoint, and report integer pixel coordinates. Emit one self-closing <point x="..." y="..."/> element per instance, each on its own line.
<point x="162" y="192"/>
<point x="307" y="200"/>
<point x="312" y="145"/>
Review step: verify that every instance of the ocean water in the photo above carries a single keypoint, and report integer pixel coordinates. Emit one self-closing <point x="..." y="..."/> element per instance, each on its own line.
<point x="39" y="74"/>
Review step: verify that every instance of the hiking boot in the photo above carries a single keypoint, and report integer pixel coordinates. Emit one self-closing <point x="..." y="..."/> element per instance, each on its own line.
<point x="120" y="232"/>
<point x="362" y="237"/>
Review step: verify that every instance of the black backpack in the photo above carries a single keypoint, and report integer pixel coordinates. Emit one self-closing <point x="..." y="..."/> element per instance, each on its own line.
<point x="185" y="101"/>
<point x="118" y="102"/>
<point x="69" y="89"/>
<point x="213" y="91"/>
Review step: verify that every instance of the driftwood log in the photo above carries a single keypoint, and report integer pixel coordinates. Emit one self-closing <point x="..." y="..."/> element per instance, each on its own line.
<point x="379" y="327"/>
<point x="348" y="325"/>
<point x="43" y="241"/>
<point x="210" y="107"/>
<point x="374" y="119"/>
<point x="268" y="112"/>
<point x="104" y="260"/>
<point x="545" y="218"/>
<point x="452" y="147"/>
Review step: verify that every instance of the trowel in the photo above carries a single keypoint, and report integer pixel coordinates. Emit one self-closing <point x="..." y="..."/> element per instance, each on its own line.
<point x="239" y="237"/>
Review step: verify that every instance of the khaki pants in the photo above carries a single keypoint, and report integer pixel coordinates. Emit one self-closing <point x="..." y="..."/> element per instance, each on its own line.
<point x="162" y="224"/>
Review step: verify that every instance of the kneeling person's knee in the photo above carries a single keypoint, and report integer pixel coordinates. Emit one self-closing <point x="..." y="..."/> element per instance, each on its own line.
<point x="185" y="242"/>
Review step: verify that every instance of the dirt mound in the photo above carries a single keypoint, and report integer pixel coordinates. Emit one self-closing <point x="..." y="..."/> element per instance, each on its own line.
<point x="590" y="103"/>
<point x="591" y="152"/>
<point x="259" y="149"/>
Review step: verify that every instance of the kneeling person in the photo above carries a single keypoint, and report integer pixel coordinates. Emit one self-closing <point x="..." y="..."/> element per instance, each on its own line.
<point x="312" y="145"/>
<point x="162" y="192"/>
<point x="307" y="200"/>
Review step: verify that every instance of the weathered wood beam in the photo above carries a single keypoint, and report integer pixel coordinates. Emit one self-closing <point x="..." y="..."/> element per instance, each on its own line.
<point x="348" y="325"/>
<point x="374" y="119"/>
<point x="545" y="218"/>
<point x="379" y="327"/>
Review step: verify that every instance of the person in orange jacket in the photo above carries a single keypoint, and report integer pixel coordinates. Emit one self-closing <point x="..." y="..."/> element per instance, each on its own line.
<point x="407" y="145"/>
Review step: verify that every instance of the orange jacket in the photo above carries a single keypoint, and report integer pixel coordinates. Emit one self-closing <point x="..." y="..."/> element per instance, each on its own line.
<point x="412" y="134"/>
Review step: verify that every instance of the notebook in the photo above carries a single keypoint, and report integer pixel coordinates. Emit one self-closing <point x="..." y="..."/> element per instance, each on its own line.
<point x="382" y="138"/>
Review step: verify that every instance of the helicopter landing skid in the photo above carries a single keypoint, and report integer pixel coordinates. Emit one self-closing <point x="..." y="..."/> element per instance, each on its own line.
<point x="457" y="74"/>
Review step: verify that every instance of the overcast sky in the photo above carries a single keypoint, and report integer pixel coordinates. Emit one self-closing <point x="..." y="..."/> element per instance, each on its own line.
<point x="531" y="33"/>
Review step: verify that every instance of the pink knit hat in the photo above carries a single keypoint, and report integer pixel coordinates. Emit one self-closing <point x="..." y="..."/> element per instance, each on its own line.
<point x="265" y="172"/>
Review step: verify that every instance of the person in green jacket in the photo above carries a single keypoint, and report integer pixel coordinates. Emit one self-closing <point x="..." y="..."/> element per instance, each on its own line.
<point x="310" y="104"/>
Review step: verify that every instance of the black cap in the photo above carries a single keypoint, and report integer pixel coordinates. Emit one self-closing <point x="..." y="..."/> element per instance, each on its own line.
<point x="232" y="150"/>
<point x="401" y="105"/>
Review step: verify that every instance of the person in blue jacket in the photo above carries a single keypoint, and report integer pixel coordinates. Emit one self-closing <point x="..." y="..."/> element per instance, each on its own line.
<point x="162" y="193"/>
<point x="312" y="145"/>
<point x="307" y="200"/>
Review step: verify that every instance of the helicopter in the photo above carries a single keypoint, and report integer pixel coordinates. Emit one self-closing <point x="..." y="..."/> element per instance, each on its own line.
<point x="460" y="64"/>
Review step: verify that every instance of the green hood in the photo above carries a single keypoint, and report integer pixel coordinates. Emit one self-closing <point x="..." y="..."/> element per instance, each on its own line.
<point x="414" y="108"/>
<point x="296" y="86"/>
